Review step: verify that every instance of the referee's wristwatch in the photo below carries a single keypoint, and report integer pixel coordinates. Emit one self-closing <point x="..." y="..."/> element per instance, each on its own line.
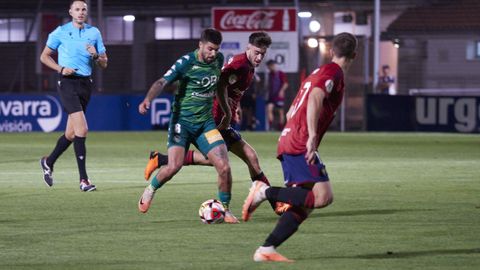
<point x="95" y="56"/>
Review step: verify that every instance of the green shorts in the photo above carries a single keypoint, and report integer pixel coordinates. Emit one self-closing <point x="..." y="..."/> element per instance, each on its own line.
<point x="204" y="136"/>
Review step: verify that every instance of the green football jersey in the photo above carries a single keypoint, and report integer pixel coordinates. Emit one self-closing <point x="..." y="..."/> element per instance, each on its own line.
<point x="198" y="84"/>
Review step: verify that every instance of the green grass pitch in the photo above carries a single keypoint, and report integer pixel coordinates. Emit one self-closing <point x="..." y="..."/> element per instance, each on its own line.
<point x="402" y="201"/>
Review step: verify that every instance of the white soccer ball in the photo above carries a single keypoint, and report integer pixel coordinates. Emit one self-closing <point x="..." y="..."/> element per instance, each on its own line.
<point x="211" y="212"/>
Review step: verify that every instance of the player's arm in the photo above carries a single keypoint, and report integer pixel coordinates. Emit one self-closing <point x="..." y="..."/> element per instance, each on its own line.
<point x="47" y="59"/>
<point x="100" y="55"/>
<point x="173" y="74"/>
<point x="222" y="97"/>
<point x="53" y="42"/>
<point x="314" y="107"/>
<point x="155" y="90"/>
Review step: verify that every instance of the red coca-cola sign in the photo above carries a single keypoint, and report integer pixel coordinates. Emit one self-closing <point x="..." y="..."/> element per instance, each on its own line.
<point x="254" y="19"/>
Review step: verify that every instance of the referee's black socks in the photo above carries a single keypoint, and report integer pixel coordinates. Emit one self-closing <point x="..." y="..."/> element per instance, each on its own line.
<point x="62" y="144"/>
<point x="81" y="155"/>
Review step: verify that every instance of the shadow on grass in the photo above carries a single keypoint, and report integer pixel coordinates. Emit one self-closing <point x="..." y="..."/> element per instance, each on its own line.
<point x="409" y="254"/>
<point x="365" y="212"/>
<point x="26" y="160"/>
<point x="182" y="182"/>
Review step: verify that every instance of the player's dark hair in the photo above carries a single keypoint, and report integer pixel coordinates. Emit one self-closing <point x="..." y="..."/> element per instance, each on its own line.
<point x="271" y="62"/>
<point x="260" y="39"/>
<point x="345" y="45"/>
<point x="211" y="35"/>
<point x="72" y="1"/>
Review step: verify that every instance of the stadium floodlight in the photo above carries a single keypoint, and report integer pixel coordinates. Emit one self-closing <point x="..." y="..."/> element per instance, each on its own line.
<point x="304" y="14"/>
<point x="312" y="43"/>
<point x="396" y="43"/>
<point x="129" y="18"/>
<point x="314" y="26"/>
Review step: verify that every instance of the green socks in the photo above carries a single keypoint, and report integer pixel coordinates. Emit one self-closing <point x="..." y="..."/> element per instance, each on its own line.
<point x="225" y="198"/>
<point x="155" y="183"/>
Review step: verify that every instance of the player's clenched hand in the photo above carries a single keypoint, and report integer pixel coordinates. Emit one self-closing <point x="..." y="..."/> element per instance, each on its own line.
<point x="310" y="155"/>
<point x="144" y="106"/>
<point x="91" y="49"/>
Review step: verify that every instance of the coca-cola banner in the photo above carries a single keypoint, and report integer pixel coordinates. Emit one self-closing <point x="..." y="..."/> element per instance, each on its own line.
<point x="237" y="23"/>
<point x="254" y="19"/>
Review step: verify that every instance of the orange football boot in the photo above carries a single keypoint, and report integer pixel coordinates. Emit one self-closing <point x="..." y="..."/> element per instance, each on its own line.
<point x="269" y="254"/>
<point x="152" y="165"/>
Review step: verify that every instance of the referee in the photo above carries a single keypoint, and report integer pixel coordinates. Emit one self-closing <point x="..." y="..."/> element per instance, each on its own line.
<point x="79" y="46"/>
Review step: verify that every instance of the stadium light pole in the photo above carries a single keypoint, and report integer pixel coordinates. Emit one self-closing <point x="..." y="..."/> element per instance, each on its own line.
<point x="100" y="24"/>
<point x="266" y="126"/>
<point x="39" y="44"/>
<point x="376" y="44"/>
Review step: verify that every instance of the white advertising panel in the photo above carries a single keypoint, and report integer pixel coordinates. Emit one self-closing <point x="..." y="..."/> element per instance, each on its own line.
<point x="237" y="23"/>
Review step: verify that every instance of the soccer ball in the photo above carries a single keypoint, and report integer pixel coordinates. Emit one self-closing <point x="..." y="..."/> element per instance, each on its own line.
<point x="211" y="212"/>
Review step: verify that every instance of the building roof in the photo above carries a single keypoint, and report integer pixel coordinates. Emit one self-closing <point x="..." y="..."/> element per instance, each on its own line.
<point x="456" y="16"/>
<point x="186" y="7"/>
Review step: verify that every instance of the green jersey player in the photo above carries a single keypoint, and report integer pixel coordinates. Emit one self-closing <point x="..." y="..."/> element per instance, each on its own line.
<point x="191" y="121"/>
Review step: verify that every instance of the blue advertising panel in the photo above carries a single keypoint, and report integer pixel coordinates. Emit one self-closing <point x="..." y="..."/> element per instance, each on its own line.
<point x="26" y="113"/>
<point x="423" y="113"/>
<point x="30" y="113"/>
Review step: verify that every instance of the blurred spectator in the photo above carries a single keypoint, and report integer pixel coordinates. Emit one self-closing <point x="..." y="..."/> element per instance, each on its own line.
<point x="277" y="85"/>
<point x="386" y="82"/>
<point x="248" y="104"/>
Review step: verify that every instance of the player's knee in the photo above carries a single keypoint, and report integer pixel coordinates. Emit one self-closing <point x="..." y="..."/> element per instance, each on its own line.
<point x="70" y="135"/>
<point x="323" y="200"/>
<point x="81" y="132"/>
<point x="172" y="168"/>
<point x="169" y="172"/>
<point x="223" y="168"/>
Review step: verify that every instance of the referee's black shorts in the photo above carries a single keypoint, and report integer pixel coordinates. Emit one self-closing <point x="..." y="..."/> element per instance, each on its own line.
<point x="74" y="92"/>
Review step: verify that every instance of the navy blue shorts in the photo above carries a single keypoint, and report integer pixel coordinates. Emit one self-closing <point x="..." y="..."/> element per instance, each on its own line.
<point x="296" y="171"/>
<point x="230" y="136"/>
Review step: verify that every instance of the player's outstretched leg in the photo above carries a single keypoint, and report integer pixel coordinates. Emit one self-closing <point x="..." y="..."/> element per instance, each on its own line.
<point x="286" y="226"/>
<point x="269" y="254"/>
<point x="245" y="151"/>
<point x="255" y="197"/>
